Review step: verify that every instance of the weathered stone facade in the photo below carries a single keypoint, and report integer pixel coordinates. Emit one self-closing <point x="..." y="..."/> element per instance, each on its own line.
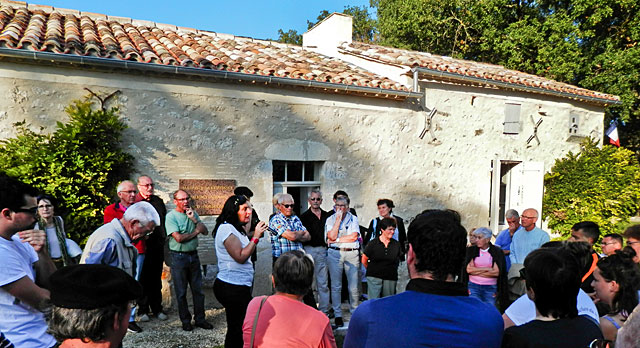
<point x="369" y="147"/>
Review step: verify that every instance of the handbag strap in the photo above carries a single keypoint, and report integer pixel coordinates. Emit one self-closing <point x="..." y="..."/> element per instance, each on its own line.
<point x="255" y="320"/>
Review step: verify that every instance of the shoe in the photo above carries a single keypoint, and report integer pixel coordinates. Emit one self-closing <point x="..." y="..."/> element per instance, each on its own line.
<point x="162" y="316"/>
<point x="338" y="322"/>
<point x="144" y="318"/>
<point x="204" y="325"/>
<point x="330" y="314"/>
<point x="187" y="327"/>
<point x="134" y="328"/>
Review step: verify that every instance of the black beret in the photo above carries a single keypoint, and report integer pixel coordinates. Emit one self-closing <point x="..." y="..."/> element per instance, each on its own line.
<point x="92" y="286"/>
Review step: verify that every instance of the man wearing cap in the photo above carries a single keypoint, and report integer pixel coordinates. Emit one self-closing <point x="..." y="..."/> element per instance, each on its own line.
<point x="91" y="305"/>
<point x="25" y="267"/>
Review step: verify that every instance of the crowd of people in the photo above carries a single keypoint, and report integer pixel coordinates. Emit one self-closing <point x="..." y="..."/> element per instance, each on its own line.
<point x="522" y="290"/>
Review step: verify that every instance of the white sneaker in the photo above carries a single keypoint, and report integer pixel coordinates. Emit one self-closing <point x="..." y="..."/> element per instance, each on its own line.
<point x="162" y="316"/>
<point x="144" y="318"/>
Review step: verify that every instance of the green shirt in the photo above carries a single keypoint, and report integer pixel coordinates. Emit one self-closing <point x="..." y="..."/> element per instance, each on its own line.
<point x="180" y="222"/>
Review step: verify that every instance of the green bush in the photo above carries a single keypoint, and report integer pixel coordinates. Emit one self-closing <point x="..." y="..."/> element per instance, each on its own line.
<point x="597" y="184"/>
<point x="80" y="163"/>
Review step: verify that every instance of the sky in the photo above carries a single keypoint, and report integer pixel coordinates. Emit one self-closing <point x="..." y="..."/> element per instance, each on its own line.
<point x="251" y="18"/>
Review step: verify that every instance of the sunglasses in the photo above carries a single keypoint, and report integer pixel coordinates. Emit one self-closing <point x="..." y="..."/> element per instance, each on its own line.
<point x="288" y="205"/>
<point x="315" y="199"/>
<point x="32" y="211"/>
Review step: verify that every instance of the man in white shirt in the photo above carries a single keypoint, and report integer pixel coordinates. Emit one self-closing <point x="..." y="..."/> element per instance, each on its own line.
<point x="25" y="267"/>
<point x="342" y="231"/>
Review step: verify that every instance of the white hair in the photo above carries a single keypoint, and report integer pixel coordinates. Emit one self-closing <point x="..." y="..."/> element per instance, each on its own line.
<point x="285" y="197"/>
<point x="121" y="185"/>
<point x="143" y="212"/>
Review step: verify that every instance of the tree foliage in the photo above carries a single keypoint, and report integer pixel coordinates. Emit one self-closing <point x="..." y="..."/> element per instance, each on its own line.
<point x="80" y="163"/>
<point x="597" y="184"/>
<point x="591" y="44"/>
<point x="364" y="26"/>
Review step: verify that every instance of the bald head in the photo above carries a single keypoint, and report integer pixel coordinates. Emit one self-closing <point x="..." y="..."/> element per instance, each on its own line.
<point x="529" y="218"/>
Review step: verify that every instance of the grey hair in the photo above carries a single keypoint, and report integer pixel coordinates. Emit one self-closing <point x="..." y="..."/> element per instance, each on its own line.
<point x="315" y="191"/>
<point x="144" y="212"/>
<point x="121" y="185"/>
<point x="511" y="213"/>
<point x="285" y="197"/>
<point x="483" y="231"/>
<point x="276" y="198"/>
<point x="343" y="199"/>
<point x="92" y="324"/>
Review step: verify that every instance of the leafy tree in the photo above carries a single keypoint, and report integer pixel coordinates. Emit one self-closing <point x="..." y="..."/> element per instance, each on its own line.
<point x="597" y="184"/>
<point x="80" y="163"/>
<point x="364" y="26"/>
<point x="290" y="37"/>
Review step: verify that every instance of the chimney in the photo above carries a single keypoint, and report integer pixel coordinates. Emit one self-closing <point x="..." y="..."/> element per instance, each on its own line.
<point x="328" y="34"/>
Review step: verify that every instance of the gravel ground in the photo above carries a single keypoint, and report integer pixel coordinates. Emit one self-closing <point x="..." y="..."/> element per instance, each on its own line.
<point x="169" y="334"/>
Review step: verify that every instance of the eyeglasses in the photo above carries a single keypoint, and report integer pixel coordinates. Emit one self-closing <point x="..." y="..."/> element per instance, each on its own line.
<point x="315" y="199"/>
<point x="147" y="185"/>
<point x="132" y="192"/>
<point x="632" y="243"/>
<point x="341" y="205"/>
<point x="288" y="205"/>
<point x="605" y="244"/>
<point x="32" y="211"/>
<point x="529" y="217"/>
<point x="182" y="199"/>
<point x="46" y="206"/>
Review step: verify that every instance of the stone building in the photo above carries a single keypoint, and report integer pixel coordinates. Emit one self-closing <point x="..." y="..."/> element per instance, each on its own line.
<point x="426" y="131"/>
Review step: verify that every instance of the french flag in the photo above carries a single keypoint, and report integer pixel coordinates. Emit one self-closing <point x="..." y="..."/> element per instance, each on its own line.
<point x="612" y="133"/>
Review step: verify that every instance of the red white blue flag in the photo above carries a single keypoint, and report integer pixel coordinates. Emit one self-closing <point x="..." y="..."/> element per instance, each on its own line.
<point x="612" y="133"/>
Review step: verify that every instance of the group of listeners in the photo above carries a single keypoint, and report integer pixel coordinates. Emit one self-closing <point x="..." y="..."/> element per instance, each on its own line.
<point x="450" y="300"/>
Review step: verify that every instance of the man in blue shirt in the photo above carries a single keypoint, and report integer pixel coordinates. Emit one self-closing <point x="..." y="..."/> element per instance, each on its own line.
<point x="529" y="238"/>
<point x="504" y="238"/>
<point x="435" y="311"/>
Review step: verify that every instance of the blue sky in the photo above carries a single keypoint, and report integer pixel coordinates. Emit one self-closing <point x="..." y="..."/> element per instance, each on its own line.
<point x="257" y="19"/>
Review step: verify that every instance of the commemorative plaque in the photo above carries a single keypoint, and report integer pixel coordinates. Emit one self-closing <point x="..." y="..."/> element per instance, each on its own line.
<point x="208" y="195"/>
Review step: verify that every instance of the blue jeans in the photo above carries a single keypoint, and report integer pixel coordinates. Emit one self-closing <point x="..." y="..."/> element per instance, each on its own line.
<point x="139" y="262"/>
<point x="484" y="293"/>
<point x="321" y="275"/>
<point x="350" y="262"/>
<point x="186" y="270"/>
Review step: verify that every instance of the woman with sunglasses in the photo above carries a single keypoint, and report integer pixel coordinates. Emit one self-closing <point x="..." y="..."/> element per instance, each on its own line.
<point x="63" y="251"/>
<point x="232" y="286"/>
<point x="616" y="282"/>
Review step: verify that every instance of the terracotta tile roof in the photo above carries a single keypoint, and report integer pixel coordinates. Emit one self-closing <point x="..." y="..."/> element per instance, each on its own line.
<point x="489" y="73"/>
<point x="69" y="32"/>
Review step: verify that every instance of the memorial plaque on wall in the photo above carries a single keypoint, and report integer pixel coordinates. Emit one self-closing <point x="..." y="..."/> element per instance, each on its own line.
<point x="208" y="195"/>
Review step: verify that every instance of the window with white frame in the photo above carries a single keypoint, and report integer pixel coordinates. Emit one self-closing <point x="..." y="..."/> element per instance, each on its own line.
<point x="296" y="178"/>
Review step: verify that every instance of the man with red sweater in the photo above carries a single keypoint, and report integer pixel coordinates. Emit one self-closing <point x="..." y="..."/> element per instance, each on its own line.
<point x="127" y="193"/>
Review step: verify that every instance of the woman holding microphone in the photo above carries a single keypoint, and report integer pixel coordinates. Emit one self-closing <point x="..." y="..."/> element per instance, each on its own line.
<point x="232" y="286"/>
